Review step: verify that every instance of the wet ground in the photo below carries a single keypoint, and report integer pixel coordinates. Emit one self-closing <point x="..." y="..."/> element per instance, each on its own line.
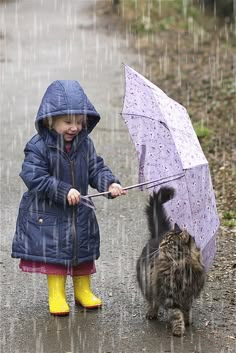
<point x="46" y="40"/>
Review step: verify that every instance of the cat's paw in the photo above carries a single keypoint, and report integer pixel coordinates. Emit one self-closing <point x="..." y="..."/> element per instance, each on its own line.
<point x="151" y="314"/>
<point x="177" y="322"/>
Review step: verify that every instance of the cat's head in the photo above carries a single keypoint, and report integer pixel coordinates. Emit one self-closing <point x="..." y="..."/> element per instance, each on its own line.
<point x="176" y="244"/>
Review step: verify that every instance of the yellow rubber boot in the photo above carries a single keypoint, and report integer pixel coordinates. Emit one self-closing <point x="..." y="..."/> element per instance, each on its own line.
<point x="57" y="295"/>
<point x="83" y="293"/>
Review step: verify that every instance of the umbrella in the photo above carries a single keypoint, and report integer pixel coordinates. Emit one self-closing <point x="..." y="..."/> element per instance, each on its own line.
<point x="169" y="153"/>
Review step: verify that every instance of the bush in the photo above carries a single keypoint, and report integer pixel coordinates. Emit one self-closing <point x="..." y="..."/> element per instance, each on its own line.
<point x="223" y="8"/>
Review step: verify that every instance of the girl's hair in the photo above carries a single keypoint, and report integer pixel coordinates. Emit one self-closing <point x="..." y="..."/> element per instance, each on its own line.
<point x="48" y="122"/>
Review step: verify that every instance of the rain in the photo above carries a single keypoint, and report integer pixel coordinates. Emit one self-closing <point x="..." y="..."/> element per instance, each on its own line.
<point x="187" y="49"/>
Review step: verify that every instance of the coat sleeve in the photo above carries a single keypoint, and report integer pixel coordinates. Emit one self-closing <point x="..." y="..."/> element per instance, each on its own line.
<point x="36" y="176"/>
<point x="100" y="176"/>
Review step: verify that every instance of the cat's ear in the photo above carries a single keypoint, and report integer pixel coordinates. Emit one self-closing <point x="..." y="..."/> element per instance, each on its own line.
<point x="186" y="237"/>
<point x="177" y="228"/>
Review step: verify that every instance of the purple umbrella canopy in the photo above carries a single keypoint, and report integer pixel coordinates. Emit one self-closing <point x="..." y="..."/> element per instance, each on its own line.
<point x="169" y="153"/>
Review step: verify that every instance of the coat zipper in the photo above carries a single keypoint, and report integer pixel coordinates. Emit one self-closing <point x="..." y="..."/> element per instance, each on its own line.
<point x="75" y="242"/>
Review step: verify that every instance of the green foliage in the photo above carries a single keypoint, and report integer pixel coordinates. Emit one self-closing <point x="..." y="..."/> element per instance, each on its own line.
<point x="153" y="16"/>
<point x="166" y="23"/>
<point x="157" y="15"/>
<point x="229" y="218"/>
<point x="143" y="26"/>
<point x="201" y="130"/>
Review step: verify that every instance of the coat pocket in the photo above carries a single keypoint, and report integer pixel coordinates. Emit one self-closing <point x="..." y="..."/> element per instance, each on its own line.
<point x="43" y="235"/>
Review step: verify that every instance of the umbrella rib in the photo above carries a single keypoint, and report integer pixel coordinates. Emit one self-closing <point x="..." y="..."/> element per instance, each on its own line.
<point x="141" y="116"/>
<point x="163" y="180"/>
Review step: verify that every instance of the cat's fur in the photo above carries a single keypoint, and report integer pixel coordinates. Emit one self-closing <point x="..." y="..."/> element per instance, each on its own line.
<point x="169" y="271"/>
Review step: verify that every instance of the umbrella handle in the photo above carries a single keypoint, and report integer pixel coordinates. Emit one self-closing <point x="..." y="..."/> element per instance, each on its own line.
<point x="125" y="188"/>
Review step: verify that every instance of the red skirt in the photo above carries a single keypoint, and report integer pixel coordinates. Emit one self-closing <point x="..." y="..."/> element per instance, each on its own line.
<point x="86" y="268"/>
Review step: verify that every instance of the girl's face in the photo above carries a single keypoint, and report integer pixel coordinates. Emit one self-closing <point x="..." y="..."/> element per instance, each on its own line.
<point x="69" y="125"/>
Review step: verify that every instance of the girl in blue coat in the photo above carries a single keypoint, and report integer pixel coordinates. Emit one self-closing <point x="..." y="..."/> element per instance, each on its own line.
<point x="56" y="231"/>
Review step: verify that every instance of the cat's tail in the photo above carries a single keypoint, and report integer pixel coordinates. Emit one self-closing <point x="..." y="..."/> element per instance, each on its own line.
<point x="158" y="222"/>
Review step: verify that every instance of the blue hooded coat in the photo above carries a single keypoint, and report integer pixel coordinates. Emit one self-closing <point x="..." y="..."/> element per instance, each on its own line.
<point x="48" y="229"/>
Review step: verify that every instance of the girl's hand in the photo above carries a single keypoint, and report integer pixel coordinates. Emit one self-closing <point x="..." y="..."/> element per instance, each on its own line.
<point x="116" y="190"/>
<point x="73" y="197"/>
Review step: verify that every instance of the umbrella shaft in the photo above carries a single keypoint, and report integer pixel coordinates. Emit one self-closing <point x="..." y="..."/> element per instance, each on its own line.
<point x="156" y="182"/>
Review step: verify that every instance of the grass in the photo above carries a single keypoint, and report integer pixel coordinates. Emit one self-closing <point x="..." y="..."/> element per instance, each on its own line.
<point x="201" y="130"/>
<point x="156" y="15"/>
<point x="145" y="17"/>
<point x="229" y="218"/>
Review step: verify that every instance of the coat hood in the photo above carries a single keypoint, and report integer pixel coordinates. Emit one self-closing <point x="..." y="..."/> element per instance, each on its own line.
<point x="66" y="97"/>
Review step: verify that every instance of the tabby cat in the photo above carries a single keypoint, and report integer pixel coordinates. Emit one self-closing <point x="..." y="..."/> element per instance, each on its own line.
<point x="169" y="271"/>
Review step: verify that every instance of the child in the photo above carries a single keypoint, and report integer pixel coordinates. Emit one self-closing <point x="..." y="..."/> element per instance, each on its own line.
<point x="57" y="232"/>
